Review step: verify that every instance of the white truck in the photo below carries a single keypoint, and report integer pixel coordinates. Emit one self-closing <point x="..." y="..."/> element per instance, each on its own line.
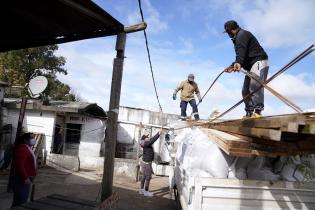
<point x="195" y="190"/>
<point x="197" y="193"/>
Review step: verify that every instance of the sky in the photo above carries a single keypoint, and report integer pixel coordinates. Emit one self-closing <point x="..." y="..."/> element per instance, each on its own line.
<point x="185" y="36"/>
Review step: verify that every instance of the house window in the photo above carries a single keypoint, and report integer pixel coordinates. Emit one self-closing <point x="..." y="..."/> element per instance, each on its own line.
<point x="73" y="133"/>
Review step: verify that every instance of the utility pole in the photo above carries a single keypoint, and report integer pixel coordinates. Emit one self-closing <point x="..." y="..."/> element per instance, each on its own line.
<point x="19" y="130"/>
<point x="111" y="136"/>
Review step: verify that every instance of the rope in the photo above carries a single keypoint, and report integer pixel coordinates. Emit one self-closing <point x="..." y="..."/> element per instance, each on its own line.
<point x="211" y="86"/>
<point x="214" y="81"/>
<point x="302" y="55"/>
<point x="286" y="67"/>
<point x="149" y="57"/>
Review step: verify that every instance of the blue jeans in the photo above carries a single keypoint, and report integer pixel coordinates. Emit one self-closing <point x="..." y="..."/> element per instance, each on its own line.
<point x="183" y="107"/>
<point x="21" y="191"/>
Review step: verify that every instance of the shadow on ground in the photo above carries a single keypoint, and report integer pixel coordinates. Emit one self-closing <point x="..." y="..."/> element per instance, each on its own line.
<point x="87" y="185"/>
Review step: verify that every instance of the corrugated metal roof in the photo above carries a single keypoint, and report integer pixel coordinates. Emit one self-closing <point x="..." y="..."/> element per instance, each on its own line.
<point x="3" y="84"/>
<point x="90" y="109"/>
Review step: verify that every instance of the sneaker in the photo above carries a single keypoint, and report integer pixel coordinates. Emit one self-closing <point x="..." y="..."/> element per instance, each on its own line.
<point x="248" y="115"/>
<point x="141" y="191"/>
<point x="148" y="194"/>
<point x="183" y="118"/>
<point x="256" y="115"/>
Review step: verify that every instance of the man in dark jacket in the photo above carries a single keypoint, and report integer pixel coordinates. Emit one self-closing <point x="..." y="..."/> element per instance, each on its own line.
<point x="147" y="158"/>
<point x="251" y="57"/>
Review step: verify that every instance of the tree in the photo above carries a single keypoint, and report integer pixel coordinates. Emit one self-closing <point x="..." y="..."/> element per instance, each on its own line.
<point x="19" y="66"/>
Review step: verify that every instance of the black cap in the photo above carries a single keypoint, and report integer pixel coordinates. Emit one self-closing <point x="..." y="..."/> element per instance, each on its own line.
<point x="231" y="24"/>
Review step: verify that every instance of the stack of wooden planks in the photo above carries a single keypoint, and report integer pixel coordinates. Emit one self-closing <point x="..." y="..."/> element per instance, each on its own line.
<point x="284" y="135"/>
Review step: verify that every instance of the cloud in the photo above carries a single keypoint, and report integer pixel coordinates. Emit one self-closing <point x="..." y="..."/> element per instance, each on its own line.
<point x="188" y="46"/>
<point x="151" y="16"/>
<point x="295" y="88"/>
<point x="90" y="64"/>
<point x="281" y="23"/>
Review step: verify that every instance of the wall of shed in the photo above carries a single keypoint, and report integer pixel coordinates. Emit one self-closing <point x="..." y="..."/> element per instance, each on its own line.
<point x="128" y="132"/>
<point x="92" y="135"/>
<point x="92" y="130"/>
<point x="34" y="121"/>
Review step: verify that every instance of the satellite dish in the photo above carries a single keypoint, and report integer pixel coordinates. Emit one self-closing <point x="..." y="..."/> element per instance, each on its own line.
<point x="37" y="85"/>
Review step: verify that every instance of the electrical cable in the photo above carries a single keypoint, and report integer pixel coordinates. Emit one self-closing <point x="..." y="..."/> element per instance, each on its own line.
<point x="149" y="57"/>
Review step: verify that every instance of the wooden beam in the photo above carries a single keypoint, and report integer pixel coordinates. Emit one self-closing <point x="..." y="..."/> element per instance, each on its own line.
<point x="249" y="131"/>
<point x="289" y="123"/>
<point x="111" y="137"/>
<point x="17" y="135"/>
<point x="134" y="28"/>
<point x="309" y="127"/>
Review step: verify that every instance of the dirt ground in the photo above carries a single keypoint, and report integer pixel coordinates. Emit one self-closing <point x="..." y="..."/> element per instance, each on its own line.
<point x="86" y="185"/>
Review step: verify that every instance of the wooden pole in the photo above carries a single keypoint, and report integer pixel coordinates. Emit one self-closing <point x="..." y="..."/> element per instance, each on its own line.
<point x="138" y="151"/>
<point x="135" y="28"/>
<point x="111" y="137"/>
<point x="18" y="133"/>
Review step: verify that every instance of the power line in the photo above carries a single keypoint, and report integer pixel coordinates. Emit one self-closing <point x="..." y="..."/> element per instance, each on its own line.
<point x="149" y="57"/>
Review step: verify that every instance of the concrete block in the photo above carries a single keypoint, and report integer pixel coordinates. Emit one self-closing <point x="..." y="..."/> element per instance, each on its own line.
<point x="126" y="168"/>
<point x="161" y="170"/>
<point x="63" y="162"/>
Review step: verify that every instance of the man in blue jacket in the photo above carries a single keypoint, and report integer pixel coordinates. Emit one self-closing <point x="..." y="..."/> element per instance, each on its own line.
<point x="147" y="158"/>
<point x="251" y="57"/>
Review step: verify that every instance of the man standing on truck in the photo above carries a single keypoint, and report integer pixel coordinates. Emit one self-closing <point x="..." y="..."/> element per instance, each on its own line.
<point x="251" y="57"/>
<point x="146" y="164"/>
<point x="188" y="88"/>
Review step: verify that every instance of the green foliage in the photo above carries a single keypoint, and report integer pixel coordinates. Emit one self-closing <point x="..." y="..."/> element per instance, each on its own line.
<point x="19" y="66"/>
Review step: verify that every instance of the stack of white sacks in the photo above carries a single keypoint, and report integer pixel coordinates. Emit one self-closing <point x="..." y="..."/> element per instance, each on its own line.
<point x="199" y="156"/>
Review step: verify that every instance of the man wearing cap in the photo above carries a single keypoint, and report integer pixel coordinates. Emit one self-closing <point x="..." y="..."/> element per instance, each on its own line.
<point x="188" y="88"/>
<point x="251" y="57"/>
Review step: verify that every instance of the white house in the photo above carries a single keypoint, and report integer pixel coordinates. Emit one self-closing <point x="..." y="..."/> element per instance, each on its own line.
<point x="82" y="125"/>
<point x="83" y="132"/>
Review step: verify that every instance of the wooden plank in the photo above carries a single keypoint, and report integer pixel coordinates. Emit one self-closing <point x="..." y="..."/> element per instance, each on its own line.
<point x="39" y="139"/>
<point x="243" y="146"/>
<point x="19" y="208"/>
<point x="309" y="127"/>
<point x="225" y="141"/>
<point x="254" y="132"/>
<point x="62" y="203"/>
<point x="287" y="123"/>
<point x="227" y="138"/>
<point x="40" y="206"/>
<point x="73" y="199"/>
<point x="234" y="145"/>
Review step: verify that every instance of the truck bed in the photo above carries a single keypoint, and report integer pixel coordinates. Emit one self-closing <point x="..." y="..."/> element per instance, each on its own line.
<point x="196" y="193"/>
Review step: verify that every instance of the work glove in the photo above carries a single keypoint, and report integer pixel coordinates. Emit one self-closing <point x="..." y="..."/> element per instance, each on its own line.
<point x="174" y="96"/>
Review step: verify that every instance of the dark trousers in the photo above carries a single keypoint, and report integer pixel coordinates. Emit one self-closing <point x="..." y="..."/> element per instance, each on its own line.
<point x="146" y="175"/>
<point x="256" y="101"/>
<point x="183" y="107"/>
<point x="21" y="191"/>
